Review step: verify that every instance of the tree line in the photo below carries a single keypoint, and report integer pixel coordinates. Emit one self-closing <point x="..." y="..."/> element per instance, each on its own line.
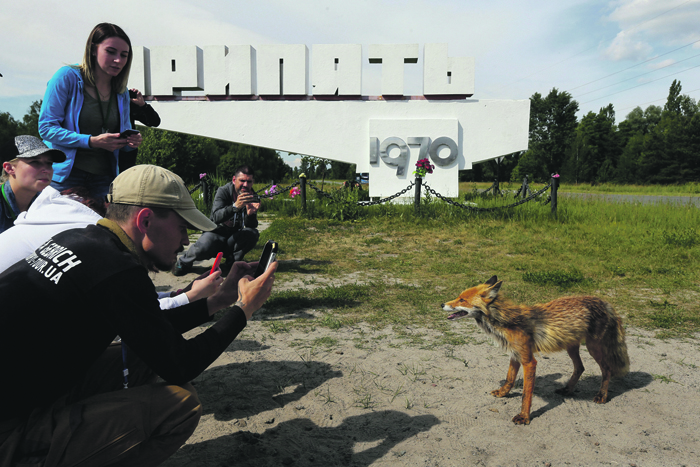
<point x="658" y="145"/>
<point x="190" y="155"/>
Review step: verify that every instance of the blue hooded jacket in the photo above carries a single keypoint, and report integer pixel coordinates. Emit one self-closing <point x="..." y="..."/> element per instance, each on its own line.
<point x="60" y="112"/>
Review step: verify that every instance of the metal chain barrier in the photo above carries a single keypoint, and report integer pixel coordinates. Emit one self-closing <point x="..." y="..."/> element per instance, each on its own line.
<point x="278" y="190"/>
<point x="318" y="190"/>
<point x="438" y="195"/>
<point x="493" y="185"/>
<point x="366" y="203"/>
<point x="384" y="200"/>
<point x="211" y="185"/>
<point x="262" y="190"/>
<point x="472" y="208"/>
<point x="196" y="187"/>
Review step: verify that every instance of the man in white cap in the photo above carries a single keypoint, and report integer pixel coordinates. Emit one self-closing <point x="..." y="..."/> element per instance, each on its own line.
<point x="71" y="397"/>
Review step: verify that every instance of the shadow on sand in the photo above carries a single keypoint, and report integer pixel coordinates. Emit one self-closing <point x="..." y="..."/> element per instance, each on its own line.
<point x="240" y="390"/>
<point x="300" y="442"/>
<point x="585" y="390"/>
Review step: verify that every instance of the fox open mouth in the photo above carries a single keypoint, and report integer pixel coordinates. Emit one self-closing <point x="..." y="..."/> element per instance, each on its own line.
<point x="459" y="314"/>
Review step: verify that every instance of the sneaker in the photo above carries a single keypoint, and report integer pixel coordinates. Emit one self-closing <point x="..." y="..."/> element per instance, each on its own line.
<point x="180" y="269"/>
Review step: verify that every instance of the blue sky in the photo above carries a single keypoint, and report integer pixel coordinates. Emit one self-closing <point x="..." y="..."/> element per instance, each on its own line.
<point x="624" y="52"/>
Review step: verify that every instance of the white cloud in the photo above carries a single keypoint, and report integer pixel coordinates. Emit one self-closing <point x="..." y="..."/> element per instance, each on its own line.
<point x="626" y="47"/>
<point x="647" y="22"/>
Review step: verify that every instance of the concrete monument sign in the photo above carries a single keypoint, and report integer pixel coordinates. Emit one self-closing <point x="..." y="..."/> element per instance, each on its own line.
<point x="274" y="96"/>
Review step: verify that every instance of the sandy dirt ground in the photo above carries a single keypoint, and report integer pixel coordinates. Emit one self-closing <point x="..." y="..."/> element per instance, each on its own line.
<point x="357" y="396"/>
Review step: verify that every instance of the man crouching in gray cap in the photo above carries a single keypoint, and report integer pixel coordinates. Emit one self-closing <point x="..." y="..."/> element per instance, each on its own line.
<point x="70" y="396"/>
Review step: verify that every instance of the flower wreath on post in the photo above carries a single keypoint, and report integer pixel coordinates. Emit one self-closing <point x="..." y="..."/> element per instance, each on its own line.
<point x="423" y="167"/>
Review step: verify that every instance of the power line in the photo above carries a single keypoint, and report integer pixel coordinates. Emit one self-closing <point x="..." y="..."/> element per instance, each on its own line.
<point x="590" y="48"/>
<point x="643" y="84"/>
<point x="656" y="100"/>
<point x="638" y="76"/>
<point x="638" y="64"/>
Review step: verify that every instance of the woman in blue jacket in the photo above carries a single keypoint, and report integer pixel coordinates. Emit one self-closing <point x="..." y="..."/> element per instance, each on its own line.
<point x="85" y="109"/>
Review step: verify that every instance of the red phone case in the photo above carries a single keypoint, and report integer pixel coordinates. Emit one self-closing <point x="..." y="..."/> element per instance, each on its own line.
<point x="216" y="262"/>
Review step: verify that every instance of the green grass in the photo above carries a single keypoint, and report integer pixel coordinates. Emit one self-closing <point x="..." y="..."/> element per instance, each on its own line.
<point x="393" y="267"/>
<point x="686" y="189"/>
<point x="643" y="259"/>
<point x="562" y="279"/>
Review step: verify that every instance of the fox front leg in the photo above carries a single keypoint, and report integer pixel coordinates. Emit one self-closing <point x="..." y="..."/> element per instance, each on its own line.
<point x="529" y="370"/>
<point x="513" y="369"/>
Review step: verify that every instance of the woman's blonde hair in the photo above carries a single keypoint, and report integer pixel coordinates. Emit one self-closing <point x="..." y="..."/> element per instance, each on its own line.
<point x="99" y="33"/>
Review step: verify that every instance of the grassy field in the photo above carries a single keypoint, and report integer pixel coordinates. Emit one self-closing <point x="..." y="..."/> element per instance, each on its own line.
<point x="686" y="189"/>
<point x="467" y="188"/>
<point x="392" y="267"/>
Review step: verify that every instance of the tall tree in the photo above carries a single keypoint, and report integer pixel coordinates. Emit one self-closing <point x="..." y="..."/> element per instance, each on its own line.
<point x="672" y="150"/>
<point x="633" y="136"/>
<point x="552" y="129"/>
<point x="186" y="155"/>
<point x="342" y="171"/>
<point x="30" y="121"/>
<point x="9" y="127"/>
<point x="599" y="134"/>
<point x="674" y="99"/>
<point x="267" y="163"/>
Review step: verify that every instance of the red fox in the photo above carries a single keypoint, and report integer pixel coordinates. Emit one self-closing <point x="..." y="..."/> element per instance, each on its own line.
<point x="561" y="324"/>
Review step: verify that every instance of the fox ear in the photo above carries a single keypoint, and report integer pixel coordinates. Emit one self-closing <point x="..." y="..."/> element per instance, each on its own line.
<point x="491" y="281"/>
<point x="492" y="292"/>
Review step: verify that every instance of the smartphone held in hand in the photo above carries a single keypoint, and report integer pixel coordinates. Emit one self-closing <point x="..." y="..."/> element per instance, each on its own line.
<point x="269" y="256"/>
<point x="127" y="133"/>
<point x="217" y="261"/>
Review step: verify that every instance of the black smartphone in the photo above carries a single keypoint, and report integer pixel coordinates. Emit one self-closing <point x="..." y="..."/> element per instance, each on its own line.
<point x="127" y="133"/>
<point x="269" y="256"/>
<point x="132" y="94"/>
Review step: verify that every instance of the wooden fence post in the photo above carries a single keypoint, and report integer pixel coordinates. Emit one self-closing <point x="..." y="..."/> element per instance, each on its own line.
<point x="416" y="197"/>
<point x="555" y="186"/>
<point x="205" y="192"/>
<point x="525" y="188"/>
<point x="302" y="191"/>
<point x="496" y="188"/>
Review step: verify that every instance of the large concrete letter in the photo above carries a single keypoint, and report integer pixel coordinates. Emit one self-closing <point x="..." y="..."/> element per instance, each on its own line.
<point x="443" y="75"/>
<point x="176" y="69"/>
<point x="229" y="70"/>
<point x="392" y="57"/>
<point x="283" y="70"/>
<point x="336" y="70"/>
<point x="140" y="74"/>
